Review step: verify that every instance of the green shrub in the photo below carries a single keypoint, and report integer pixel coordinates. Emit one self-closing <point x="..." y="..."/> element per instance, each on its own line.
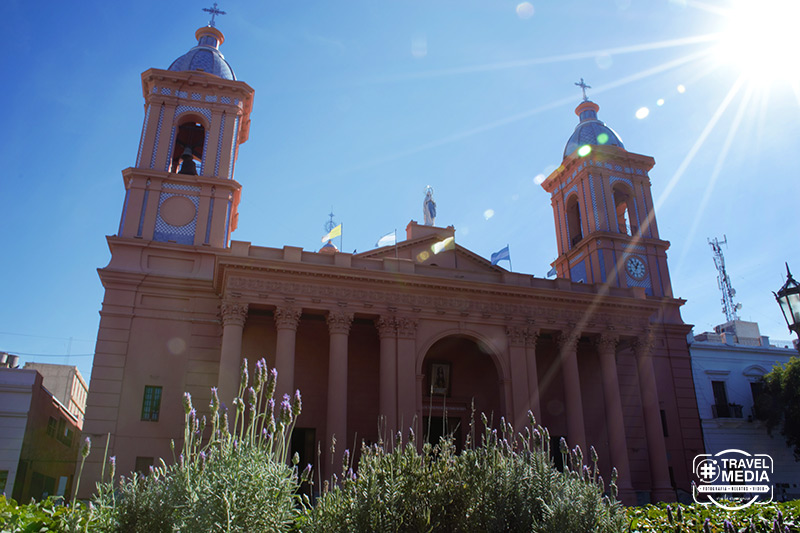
<point x="506" y="483"/>
<point x="769" y="518"/>
<point x="237" y="479"/>
<point x="46" y="515"/>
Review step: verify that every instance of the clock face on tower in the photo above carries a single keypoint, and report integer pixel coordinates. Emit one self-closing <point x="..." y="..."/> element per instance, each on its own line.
<point x="636" y="268"/>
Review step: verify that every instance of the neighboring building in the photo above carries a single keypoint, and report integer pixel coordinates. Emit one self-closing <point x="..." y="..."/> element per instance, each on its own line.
<point x="66" y="383"/>
<point x="728" y="365"/>
<point x="39" y="438"/>
<point x="599" y="354"/>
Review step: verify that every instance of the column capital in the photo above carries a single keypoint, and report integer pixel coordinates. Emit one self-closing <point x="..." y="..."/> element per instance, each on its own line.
<point x="531" y="336"/>
<point x="233" y="313"/>
<point x="607" y="343"/>
<point x="643" y="344"/>
<point x="516" y="335"/>
<point x="386" y="325"/>
<point x="406" y="327"/>
<point x="287" y="317"/>
<point x="568" y="340"/>
<point x="339" y="321"/>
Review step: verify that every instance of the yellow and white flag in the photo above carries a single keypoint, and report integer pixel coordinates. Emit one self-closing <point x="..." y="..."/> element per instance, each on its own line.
<point x="335" y="232"/>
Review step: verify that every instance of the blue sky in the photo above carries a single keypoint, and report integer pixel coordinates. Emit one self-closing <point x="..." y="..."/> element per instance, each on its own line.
<point x="361" y="104"/>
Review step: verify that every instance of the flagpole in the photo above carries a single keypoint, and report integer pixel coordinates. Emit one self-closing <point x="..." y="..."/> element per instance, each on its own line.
<point x="395" y="243"/>
<point x="341" y="239"/>
<point x="511" y="268"/>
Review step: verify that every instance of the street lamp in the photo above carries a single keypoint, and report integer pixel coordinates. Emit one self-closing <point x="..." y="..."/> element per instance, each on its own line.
<point x="788" y="297"/>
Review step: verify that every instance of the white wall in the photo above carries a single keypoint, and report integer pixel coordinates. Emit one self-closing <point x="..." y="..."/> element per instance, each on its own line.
<point x="16" y="388"/>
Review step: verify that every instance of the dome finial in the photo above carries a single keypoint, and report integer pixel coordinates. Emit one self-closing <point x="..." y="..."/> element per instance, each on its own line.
<point x="214" y="12"/>
<point x="582" y="85"/>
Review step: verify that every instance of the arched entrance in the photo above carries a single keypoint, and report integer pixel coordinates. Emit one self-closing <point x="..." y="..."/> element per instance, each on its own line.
<point x="458" y="370"/>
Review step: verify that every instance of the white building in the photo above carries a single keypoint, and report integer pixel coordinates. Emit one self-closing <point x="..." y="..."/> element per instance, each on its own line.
<point x="66" y="383"/>
<point x="727" y="366"/>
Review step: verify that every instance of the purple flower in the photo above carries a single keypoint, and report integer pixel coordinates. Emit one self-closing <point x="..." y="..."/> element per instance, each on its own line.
<point x="187" y="402"/>
<point x="87" y="447"/>
<point x="251" y="396"/>
<point x="286" y="410"/>
<point x="245" y="375"/>
<point x="297" y="404"/>
<point x="272" y="377"/>
<point x="214" y="405"/>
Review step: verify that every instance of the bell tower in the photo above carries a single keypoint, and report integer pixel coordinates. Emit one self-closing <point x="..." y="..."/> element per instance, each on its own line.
<point x="196" y="114"/>
<point x="604" y="216"/>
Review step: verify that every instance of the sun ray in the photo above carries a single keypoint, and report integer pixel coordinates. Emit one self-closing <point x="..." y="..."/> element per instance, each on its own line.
<point x="676" y="177"/>
<point x="684" y="41"/>
<point x="708" y="7"/>
<point x="721" y="159"/>
<point x="520" y="116"/>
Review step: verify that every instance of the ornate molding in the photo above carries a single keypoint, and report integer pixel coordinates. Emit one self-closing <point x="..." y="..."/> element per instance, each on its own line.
<point x="387" y="326"/>
<point x="516" y="335"/>
<point x="233" y="313"/>
<point x="339" y="322"/>
<point x="607" y="343"/>
<point x="568" y="340"/>
<point x="531" y="336"/>
<point x="475" y="303"/>
<point x="643" y="345"/>
<point x="406" y="327"/>
<point x="287" y="317"/>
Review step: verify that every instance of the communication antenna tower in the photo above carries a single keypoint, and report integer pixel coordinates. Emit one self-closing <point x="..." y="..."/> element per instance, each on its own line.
<point x="729" y="307"/>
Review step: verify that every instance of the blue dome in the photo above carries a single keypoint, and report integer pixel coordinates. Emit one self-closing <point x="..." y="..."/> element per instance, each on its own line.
<point x="205" y="57"/>
<point x="590" y="130"/>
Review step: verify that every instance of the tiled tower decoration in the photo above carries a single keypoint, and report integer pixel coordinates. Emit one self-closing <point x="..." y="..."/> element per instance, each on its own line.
<point x="604" y="217"/>
<point x="181" y="188"/>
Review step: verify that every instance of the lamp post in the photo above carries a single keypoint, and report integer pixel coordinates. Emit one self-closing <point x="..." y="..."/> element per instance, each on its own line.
<point x="788" y="297"/>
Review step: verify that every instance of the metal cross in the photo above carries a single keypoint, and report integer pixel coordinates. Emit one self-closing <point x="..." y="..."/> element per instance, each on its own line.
<point x="582" y="85"/>
<point x="214" y="12"/>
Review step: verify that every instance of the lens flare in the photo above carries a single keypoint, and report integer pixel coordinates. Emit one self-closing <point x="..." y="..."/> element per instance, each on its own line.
<point x="602" y="138"/>
<point x="681" y="89"/>
<point x="489" y="213"/>
<point x="584" y="150"/>
<point x="642" y="112"/>
<point x="660" y="102"/>
<point x="525" y="10"/>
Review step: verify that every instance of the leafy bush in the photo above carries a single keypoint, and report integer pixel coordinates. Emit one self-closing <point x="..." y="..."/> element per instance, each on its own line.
<point x="769" y="518"/>
<point x="46" y="515"/>
<point x="238" y="479"/>
<point x="507" y="483"/>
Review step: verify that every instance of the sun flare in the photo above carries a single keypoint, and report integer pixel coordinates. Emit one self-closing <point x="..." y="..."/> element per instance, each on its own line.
<point x="760" y="39"/>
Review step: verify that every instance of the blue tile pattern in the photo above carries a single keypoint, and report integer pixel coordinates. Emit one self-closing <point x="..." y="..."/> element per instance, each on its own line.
<point x="644" y="206"/>
<point x="225" y="99"/>
<point x="605" y="207"/>
<point x="233" y="147"/>
<point x="210" y="217"/>
<point x="601" y="260"/>
<point x="181" y="94"/>
<point x="589" y="131"/>
<point x="185" y="108"/>
<point x="228" y="220"/>
<point x="205" y="59"/>
<point x="141" y="139"/>
<point x="196" y="96"/>
<point x="577" y="273"/>
<point x="124" y="211"/>
<point x="166" y="91"/>
<point x="158" y="134"/>
<point x="219" y="145"/>
<point x="211" y="98"/>
<point x="144" y="209"/>
<point x="594" y="204"/>
<point x="168" y="162"/>
<point x="181" y="234"/>
<point x="205" y="153"/>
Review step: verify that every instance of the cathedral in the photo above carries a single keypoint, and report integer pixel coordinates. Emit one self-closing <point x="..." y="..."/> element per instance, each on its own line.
<point x="411" y="335"/>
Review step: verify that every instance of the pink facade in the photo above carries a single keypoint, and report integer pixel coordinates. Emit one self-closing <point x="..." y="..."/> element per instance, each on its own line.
<point x="384" y="340"/>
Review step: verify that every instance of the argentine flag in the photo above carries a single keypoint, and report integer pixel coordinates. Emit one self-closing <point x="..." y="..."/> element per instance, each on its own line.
<point x="502" y="255"/>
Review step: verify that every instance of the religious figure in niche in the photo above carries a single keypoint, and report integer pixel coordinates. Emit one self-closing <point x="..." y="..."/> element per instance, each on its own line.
<point x="429" y="207"/>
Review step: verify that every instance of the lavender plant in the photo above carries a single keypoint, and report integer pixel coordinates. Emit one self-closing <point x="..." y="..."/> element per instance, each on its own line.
<point x="225" y="477"/>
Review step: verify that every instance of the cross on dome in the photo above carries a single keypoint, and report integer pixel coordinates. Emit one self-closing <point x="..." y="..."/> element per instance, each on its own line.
<point x="582" y="85"/>
<point x="214" y="12"/>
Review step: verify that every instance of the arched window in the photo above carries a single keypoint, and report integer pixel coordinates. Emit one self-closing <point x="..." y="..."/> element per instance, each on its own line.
<point x="574" y="220"/>
<point x="622" y="205"/>
<point x="187" y="154"/>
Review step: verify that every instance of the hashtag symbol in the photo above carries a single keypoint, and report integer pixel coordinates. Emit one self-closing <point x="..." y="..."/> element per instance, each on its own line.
<point x="707" y="470"/>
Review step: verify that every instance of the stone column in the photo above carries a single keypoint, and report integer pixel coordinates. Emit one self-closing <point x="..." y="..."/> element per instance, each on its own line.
<point x="406" y="373"/>
<point x="531" y="336"/>
<point x="339" y="326"/>
<point x="234" y="315"/>
<point x="387" y="401"/>
<point x="617" y="442"/>
<point x="520" y="402"/>
<point x="568" y="356"/>
<point x="661" y="487"/>
<point x="287" y="319"/>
